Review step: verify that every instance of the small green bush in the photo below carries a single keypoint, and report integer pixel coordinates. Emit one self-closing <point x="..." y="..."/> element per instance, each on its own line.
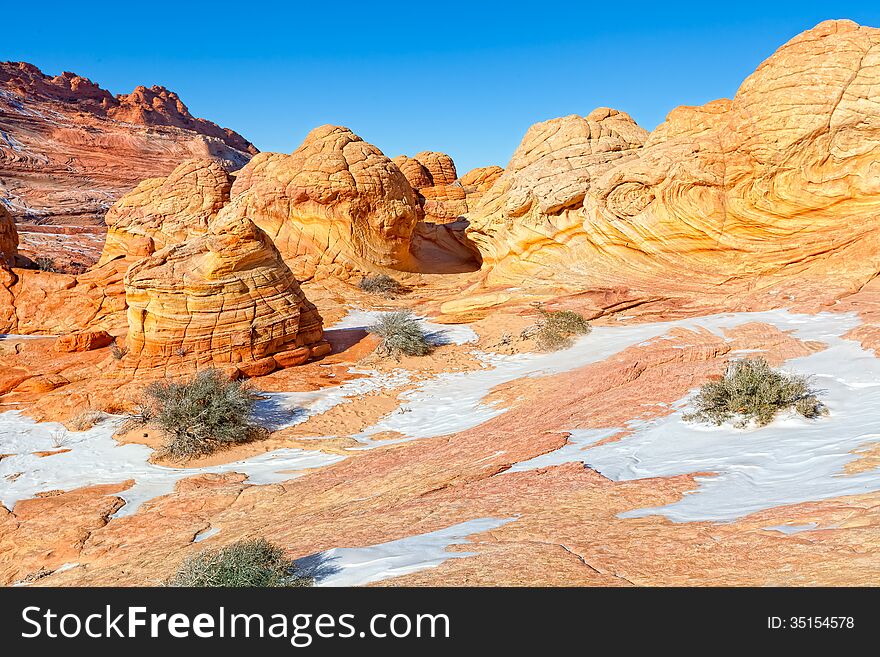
<point x="245" y="563"/>
<point x="45" y="263"/>
<point x="401" y="335"/>
<point x="558" y="328"/>
<point x="202" y="415"/>
<point x="752" y="390"/>
<point x="381" y="284"/>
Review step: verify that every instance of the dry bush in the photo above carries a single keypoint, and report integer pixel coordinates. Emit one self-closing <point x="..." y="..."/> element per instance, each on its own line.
<point x="557" y="329"/>
<point x="202" y="415"/>
<point x="86" y="420"/>
<point x="244" y="563"/>
<point x="382" y="284"/>
<point x="751" y="390"/>
<point x="45" y="263"/>
<point x="401" y="335"/>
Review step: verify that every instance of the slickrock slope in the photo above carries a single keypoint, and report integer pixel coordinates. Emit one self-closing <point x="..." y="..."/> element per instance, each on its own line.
<point x="336" y="201"/>
<point x="222" y="298"/>
<point x="161" y="212"/>
<point x="38" y="302"/>
<point x="773" y="192"/>
<point x="69" y="149"/>
<point x="8" y="238"/>
<point x="565" y="526"/>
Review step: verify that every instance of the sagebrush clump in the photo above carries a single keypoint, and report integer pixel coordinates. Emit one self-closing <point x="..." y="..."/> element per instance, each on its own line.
<point x="45" y="263"/>
<point x="244" y="563"/>
<point x="381" y="284"/>
<point x="751" y="390"/>
<point x="401" y="335"/>
<point x="202" y="415"/>
<point x="557" y="329"/>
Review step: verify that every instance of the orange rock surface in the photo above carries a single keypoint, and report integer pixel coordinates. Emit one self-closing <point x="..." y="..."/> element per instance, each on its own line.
<point x="161" y="212"/>
<point x="770" y="193"/>
<point x="8" y="238"/>
<point x="225" y="297"/>
<point x="335" y="202"/>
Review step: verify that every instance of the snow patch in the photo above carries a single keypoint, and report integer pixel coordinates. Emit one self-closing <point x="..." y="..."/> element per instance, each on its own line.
<point x="359" y="566"/>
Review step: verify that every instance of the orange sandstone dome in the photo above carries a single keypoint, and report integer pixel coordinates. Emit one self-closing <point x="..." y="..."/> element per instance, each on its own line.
<point x="773" y="192"/>
<point x="165" y="211"/>
<point x="335" y="202"/>
<point x="225" y="297"/>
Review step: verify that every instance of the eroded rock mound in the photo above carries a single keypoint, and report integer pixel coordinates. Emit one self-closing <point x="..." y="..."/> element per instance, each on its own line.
<point x="777" y="186"/>
<point x="768" y="198"/>
<point x="223" y="298"/>
<point x="8" y="238"/>
<point x="443" y="197"/>
<point x="335" y="202"/>
<point x="534" y="204"/>
<point x="163" y="211"/>
<point x="69" y="149"/>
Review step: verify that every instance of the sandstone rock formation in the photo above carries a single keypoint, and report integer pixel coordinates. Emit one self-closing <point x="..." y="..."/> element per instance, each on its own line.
<point x="83" y="341"/>
<point x="161" y="212"/>
<point x="38" y="302"/>
<point x="336" y="201"/>
<point x="69" y="149"/>
<point x="479" y="180"/>
<point x="433" y="176"/>
<point x="533" y="208"/>
<point x="8" y="238"/>
<point x="777" y="186"/>
<point x="769" y="195"/>
<point x="223" y="298"/>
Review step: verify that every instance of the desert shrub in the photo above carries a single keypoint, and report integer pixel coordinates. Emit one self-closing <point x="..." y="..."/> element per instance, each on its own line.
<point x="203" y="414"/>
<point x="558" y="328"/>
<point x="401" y="335"/>
<point x="118" y="352"/>
<point x="244" y="563"/>
<point x="59" y="438"/>
<point x="45" y="263"/>
<point x="381" y="284"/>
<point x="86" y="420"/>
<point x="752" y="390"/>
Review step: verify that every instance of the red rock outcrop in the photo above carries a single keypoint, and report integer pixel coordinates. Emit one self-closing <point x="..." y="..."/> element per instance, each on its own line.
<point x="69" y="149"/>
<point x="8" y="238"/>
<point x="161" y="212"/>
<point x="222" y="298"/>
<point x="83" y="341"/>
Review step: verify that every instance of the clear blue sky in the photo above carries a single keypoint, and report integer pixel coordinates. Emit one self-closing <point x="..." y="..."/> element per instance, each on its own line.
<point x="466" y="78"/>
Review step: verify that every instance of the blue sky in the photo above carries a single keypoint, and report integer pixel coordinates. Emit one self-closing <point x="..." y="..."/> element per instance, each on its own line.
<point x="466" y="78"/>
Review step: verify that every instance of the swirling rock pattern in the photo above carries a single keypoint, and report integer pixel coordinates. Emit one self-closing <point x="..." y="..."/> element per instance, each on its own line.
<point x="533" y="207"/>
<point x="165" y="211"/>
<point x="778" y="185"/>
<point x="772" y="193"/>
<point x="336" y="202"/>
<point x="223" y="298"/>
